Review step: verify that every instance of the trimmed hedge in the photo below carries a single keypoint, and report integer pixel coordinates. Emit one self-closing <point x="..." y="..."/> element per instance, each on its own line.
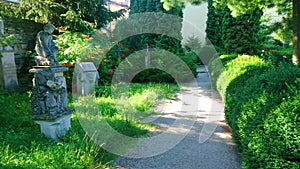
<point x="216" y="66"/>
<point x="262" y="109"/>
<point x="233" y="66"/>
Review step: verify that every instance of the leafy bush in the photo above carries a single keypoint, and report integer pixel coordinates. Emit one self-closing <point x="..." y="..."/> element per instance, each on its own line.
<point x="6" y="40"/>
<point x="262" y="110"/>
<point x="245" y="65"/>
<point x="76" y="15"/>
<point x="275" y="55"/>
<point x="161" y="60"/>
<point x="153" y="75"/>
<point x="107" y="56"/>
<point x="92" y="47"/>
<point x="216" y="66"/>
<point x="260" y="119"/>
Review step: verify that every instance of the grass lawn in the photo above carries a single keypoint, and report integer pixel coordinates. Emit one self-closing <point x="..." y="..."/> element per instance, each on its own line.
<point x="23" y="146"/>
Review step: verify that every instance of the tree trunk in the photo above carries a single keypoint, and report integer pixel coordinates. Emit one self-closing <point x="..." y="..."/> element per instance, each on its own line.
<point x="296" y="31"/>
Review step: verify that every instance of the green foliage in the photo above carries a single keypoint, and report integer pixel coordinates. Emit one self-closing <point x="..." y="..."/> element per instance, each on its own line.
<point x="152" y="40"/>
<point x="216" y="67"/>
<point x="92" y="47"/>
<point x="163" y="67"/>
<point x="213" y="22"/>
<point x="291" y="8"/>
<point x="261" y="109"/>
<point x="274" y="54"/>
<point x="262" y="120"/>
<point x="277" y="57"/>
<point x="233" y="34"/>
<point x="193" y="43"/>
<point x="139" y="42"/>
<point x="138" y="6"/>
<point x="6" y="40"/>
<point x="153" y="75"/>
<point x="70" y="45"/>
<point x="244" y="6"/>
<point x="245" y="65"/>
<point x="107" y="55"/>
<point x="241" y="34"/>
<point x="77" y="15"/>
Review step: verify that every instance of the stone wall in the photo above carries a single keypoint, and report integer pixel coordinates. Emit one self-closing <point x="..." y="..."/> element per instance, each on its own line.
<point x="24" y="32"/>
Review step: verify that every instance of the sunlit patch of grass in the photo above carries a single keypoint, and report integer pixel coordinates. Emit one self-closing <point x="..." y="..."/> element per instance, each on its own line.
<point x="23" y="146"/>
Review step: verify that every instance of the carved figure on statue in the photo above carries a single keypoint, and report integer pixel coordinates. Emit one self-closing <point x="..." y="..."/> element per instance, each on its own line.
<point x="46" y="48"/>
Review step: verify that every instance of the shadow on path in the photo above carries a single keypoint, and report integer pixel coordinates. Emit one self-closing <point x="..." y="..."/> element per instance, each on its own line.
<point x="215" y="150"/>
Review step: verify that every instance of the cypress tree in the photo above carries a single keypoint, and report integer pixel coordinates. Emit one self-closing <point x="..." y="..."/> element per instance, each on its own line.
<point x="156" y="41"/>
<point x="134" y="6"/>
<point x="241" y="34"/>
<point x="214" y="25"/>
<point x="151" y="5"/>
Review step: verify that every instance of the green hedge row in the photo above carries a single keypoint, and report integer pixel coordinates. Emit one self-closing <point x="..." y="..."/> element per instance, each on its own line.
<point x="262" y="108"/>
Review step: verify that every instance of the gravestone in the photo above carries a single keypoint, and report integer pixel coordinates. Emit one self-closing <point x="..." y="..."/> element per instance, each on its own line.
<point x="8" y="75"/>
<point x="86" y="78"/>
<point x="1" y="25"/>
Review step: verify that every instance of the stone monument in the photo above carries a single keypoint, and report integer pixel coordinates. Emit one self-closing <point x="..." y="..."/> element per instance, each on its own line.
<point x="45" y="47"/>
<point x="86" y="78"/>
<point x="9" y="79"/>
<point x="49" y="93"/>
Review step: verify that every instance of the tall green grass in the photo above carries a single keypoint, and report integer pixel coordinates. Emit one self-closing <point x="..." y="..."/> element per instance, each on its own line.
<point x="23" y="146"/>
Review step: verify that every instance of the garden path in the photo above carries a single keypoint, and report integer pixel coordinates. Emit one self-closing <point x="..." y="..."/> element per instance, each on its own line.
<point x="215" y="150"/>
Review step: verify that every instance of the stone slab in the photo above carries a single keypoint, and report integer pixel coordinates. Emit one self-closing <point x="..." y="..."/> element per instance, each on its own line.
<point x="9" y="71"/>
<point x="86" y="78"/>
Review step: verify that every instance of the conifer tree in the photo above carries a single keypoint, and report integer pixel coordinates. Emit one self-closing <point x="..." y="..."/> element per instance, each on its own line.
<point x="77" y="15"/>
<point x="139" y="42"/>
<point x="214" y="25"/>
<point x="243" y="6"/>
<point x="241" y="34"/>
<point x="151" y="6"/>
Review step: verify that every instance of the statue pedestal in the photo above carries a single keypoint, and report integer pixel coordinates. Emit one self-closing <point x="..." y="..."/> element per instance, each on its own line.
<point x="57" y="128"/>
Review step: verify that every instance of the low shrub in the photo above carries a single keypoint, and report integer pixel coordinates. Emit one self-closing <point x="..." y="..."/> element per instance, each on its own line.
<point x="262" y="110"/>
<point x="153" y="75"/>
<point x="242" y="66"/>
<point x="259" y="121"/>
<point x="275" y="55"/>
<point x="107" y="56"/>
<point x="216" y="66"/>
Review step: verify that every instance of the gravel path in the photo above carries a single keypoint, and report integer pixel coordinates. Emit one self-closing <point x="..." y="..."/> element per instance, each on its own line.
<point x="187" y="137"/>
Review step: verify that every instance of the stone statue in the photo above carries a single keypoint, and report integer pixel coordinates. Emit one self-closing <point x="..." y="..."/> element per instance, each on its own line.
<point x="49" y="94"/>
<point x="46" y="48"/>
